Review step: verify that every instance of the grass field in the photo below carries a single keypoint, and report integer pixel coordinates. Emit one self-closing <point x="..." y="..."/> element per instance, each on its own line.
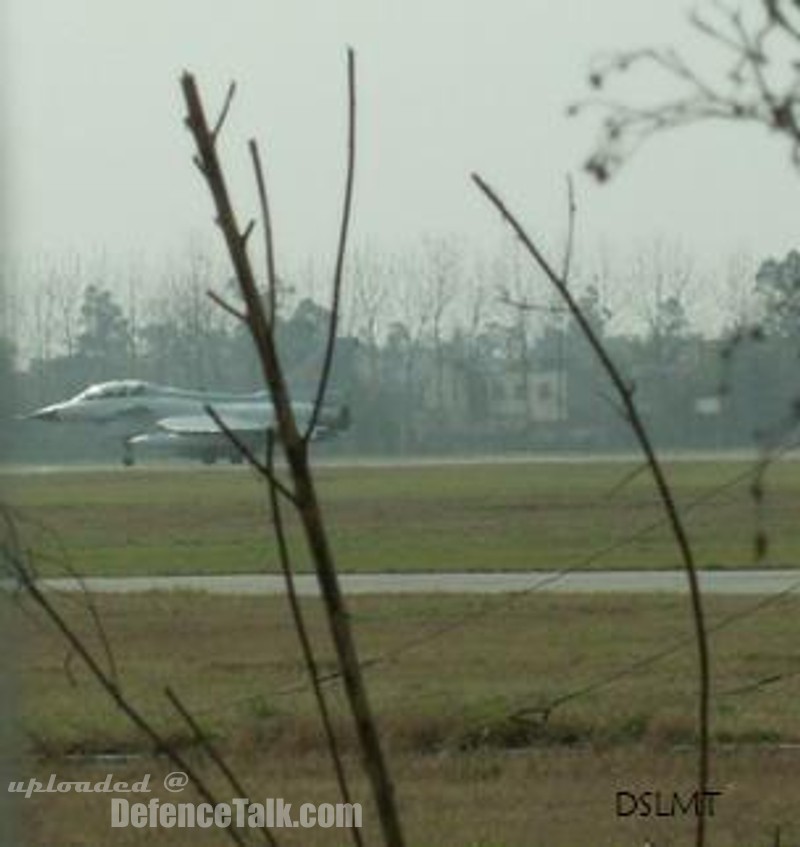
<point x="509" y="720"/>
<point x="513" y="516"/>
<point x="447" y="676"/>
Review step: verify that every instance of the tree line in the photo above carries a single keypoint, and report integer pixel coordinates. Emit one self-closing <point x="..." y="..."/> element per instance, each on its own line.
<point x="438" y="351"/>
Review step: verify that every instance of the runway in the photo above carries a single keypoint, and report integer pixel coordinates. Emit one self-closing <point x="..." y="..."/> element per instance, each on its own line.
<point x="563" y="582"/>
<point x="383" y="462"/>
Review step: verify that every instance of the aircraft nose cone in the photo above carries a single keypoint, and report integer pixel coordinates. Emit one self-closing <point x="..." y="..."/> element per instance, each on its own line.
<point x="46" y="414"/>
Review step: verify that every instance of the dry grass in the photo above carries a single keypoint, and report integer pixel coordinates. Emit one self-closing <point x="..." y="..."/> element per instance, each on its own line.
<point x="467" y="775"/>
<point x="540" y="798"/>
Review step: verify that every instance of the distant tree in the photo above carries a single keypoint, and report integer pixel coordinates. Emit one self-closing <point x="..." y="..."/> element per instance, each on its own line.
<point x="185" y="339"/>
<point x="441" y="273"/>
<point x="302" y="340"/>
<point x="738" y="297"/>
<point x="43" y="326"/>
<point x="668" y="331"/>
<point x="595" y="309"/>
<point x="759" y="83"/>
<point x="577" y="365"/>
<point x="778" y="291"/>
<point x="104" y="342"/>
<point x="8" y="385"/>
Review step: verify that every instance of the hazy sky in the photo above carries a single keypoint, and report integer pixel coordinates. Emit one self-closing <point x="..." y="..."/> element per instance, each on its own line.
<point x="100" y="160"/>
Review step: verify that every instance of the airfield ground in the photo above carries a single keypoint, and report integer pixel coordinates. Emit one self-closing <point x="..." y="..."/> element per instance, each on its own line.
<point x="461" y="684"/>
<point x="509" y="516"/>
<point x="446" y="677"/>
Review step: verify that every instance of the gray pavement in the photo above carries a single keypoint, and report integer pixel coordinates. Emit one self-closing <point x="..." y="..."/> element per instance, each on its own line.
<point x="575" y="582"/>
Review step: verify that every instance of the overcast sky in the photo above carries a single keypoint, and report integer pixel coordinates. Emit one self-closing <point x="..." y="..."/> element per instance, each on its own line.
<point x="100" y="160"/>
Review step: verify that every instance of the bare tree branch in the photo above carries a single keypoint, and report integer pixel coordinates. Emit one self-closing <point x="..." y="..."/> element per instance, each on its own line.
<point x="237" y="249"/>
<point x="569" y="246"/>
<point x="13" y="518"/>
<point x="761" y="85"/>
<point x="342" y="245"/>
<point x="295" y="448"/>
<point x="304" y="637"/>
<point x="205" y="742"/>
<point x="224" y="111"/>
<point x="777" y="15"/>
<point x="247" y="232"/>
<point x="266" y="223"/>
<point x="665" y="493"/>
<point x="248" y="454"/>
<point x="16" y="560"/>
<point x="225" y="306"/>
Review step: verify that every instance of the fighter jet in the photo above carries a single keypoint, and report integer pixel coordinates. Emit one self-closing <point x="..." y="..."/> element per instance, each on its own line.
<point x="175" y="419"/>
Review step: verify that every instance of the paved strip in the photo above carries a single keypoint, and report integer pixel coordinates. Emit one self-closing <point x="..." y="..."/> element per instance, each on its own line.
<point x="383" y="462"/>
<point x="575" y="582"/>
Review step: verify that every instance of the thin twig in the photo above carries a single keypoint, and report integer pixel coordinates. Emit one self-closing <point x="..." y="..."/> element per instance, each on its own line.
<point x="266" y="224"/>
<point x="237" y="249"/>
<point x="248" y="231"/>
<point x="570" y="242"/>
<point x="776" y="14"/>
<point x="205" y="742"/>
<point x="225" y="306"/>
<point x="12" y="518"/>
<point x="347" y="203"/>
<point x="220" y="122"/>
<point x="248" y="454"/>
<point x="304" y="637"/>
<point x="111" y="688"/>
